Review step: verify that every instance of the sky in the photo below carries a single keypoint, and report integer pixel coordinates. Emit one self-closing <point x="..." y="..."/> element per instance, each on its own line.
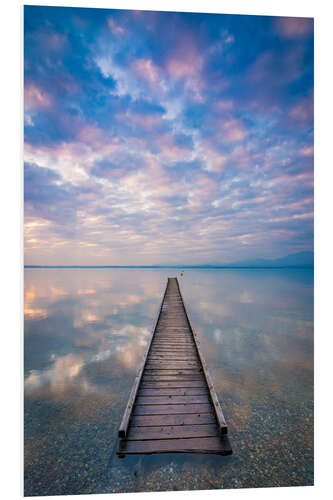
<point x="166" y="138"/>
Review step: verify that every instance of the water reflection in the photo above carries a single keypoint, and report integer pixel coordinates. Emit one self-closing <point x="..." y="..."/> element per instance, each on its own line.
<point x="85" y="334"/>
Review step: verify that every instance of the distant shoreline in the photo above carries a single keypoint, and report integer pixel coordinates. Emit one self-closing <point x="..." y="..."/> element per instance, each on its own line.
<point x="168" y="267"/>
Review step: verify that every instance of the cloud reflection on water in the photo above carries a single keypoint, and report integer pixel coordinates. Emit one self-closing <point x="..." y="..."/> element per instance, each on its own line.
<point x="247" y="326"/>
<point x="256" y="328"/>
<point x="96" y="322"/>
<point x="81" y="356"/>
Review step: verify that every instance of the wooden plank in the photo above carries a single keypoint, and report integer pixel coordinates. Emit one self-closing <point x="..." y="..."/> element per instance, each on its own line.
<point x="173" y="350"/>
<point x="166" y="357"/>
<point x="167" y="341"/>
<point x="216" y="445"/>
<point x="174" y="338"/>
<point x="176" y="335"/>
<point x="173" y="334"/>
<point x="171" y="431"/>
<point x="173" y="355"/>
<point x="183" y="329"/>
<point x="180" y="419"/>
<point x="162" y="330"/>
<point x="171" y="409"/>
<point x="171" y="312"/>
<point x="168" y="346"/>
<point x="176" y="356"/>
<point x="172" y="322"/>
<point x="174" y="391"/>
<point x="175" y="369"/>
<point x="182" y="361"/>
<point x="177" y="362"/>
<point x="174" y="331"/>
<point x="169" y="359"/>
<point x="166" y="377"/>
<point x="160" y="356"/>
<point x="173" y="345"/>
<point x="157" y="372"/>
<point x="171" y="399"/>
<point x="172" y="370"/>
<point x="173" y="383"/>
<point x="172" y="365"/>
<point x="175" y="325"/>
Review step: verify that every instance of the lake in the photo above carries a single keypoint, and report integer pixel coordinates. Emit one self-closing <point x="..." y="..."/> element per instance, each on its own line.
<point x="85" y="334"/>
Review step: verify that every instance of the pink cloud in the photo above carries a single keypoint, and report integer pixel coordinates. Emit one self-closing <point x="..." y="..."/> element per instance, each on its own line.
<point x="96" y="139"/>
<point x="170" y="149"/>
<point x="202" y="190"/>
<point x="224" y="105"/>
<point x="146" y="69"/>
<point x="303" y="111"/>
<point x="305" y="178"/>
<point x="115" y="28"/>
<point x="206" y="185"/>
<point x="149" y="186"/>
<point x="294" y="26"/>
<point x="148" y="121"/>
<point x="53" y="41"/>
<point x="229" y="39"/>
<point x="35" y="98"/>
<point x="186" y="61"/>
<point x="299" y="205"/>
<point x="186" y="64"/>
<point x="265" y="67"/>
<point x="232" y="130"/>
<point x="181" y="68"/>
<point x="72" y="160"/>
<point x="261" y="66"/>
<point x="213" y="160"/>
<point x="90" y="134"/>
<point x="244" y="156"/>
<point x="306" y="151"/>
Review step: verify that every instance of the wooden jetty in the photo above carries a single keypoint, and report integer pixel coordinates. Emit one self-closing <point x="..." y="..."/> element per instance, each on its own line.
<point x="173" y="407"/>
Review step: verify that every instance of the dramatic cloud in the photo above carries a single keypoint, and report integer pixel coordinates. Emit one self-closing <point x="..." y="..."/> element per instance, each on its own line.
<point x="160" y="138"/>
<point x="295" y="27"/>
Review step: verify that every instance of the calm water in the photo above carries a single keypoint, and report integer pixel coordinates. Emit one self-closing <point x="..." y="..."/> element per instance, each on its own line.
<point x="85" y="333"/>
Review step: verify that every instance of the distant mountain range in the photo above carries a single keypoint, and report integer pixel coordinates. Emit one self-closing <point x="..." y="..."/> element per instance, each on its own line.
<point x="301" y="259"/>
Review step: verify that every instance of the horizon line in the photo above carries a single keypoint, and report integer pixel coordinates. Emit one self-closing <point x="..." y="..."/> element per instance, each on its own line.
<point x="176" y="266"/>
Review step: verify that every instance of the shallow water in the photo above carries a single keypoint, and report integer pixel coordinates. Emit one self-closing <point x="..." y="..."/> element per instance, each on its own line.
<point x="85" y="334"/>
